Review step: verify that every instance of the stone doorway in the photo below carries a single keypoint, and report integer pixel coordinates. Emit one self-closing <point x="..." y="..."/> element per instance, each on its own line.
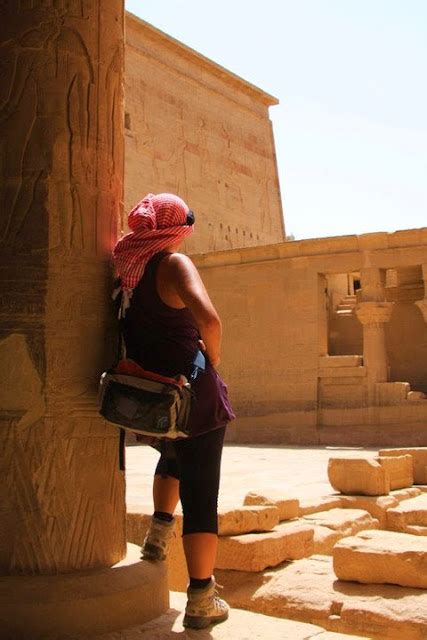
<point x="345" y="335"/>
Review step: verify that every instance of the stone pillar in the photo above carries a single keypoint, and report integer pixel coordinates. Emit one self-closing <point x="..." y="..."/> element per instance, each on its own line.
<point x="422" y="304"/>
<point x="373" y="312"/>
<point x="62" y="492"/>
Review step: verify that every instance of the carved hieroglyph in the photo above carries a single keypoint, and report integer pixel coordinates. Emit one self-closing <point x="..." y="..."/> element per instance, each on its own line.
<point x="61" y="113"/>
<point x="200" y="131"/>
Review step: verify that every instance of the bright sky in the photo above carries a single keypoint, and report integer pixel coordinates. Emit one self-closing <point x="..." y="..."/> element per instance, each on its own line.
<point x="351" y="77"/>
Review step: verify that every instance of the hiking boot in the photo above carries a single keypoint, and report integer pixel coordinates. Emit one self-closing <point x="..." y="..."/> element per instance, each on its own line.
<point x="157" y="539"/>
<point x="204" y="607"/>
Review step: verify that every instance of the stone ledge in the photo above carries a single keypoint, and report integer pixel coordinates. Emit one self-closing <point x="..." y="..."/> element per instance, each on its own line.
<point x="288" y="507"/>
<point x="247" y="519"/>
<point x="382" y="557"/>
<point x="308" y="590"/>
<point x="377" y="506"/>
<point x="316" y="505"/>
<point x="38" y="607"/>
<point x="256" y="551"/>
<point x="339" y="361"/>
<point x="241" y="625"/>
<point x="331" y="526"/>
<point x="410" y="516"/>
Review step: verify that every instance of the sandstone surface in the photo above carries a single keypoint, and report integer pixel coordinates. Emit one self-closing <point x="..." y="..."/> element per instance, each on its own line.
<point x="419" y="460"/>
<point x="256" y="551"/>
<point x="247" y="519"/>
<point x="377" y="506"/>
<point x="331" y="526"/>
<point x="241" y="625"/>
<point x="382" y="557"/>
<point x="288" y="507"/>
<point x="358" y="476"/>
<point x="324" y="503"/>
<point x="399" y="469"/>
<point x="324" y="540"/>
<point x="63" y="606"/>
<point x="409" y="516"/>
<point x="308" y="590"/>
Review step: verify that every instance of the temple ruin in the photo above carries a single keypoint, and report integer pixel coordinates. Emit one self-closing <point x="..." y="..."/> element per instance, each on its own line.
<point x="325" y="339"/>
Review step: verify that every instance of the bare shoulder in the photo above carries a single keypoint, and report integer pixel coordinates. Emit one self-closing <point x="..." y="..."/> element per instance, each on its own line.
<point x="179" y="264"/>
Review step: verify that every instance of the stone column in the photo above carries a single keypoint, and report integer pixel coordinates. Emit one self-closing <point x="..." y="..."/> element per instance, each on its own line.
<point x="373" y="312"/>
<point x="62" y="492"/>
<point x="422" y="304"/>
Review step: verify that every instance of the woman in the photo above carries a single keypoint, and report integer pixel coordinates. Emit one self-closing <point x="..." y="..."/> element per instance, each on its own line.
<point x="167" y="316"/>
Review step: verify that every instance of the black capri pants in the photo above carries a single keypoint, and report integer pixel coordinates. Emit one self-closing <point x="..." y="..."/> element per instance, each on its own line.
<point x="196" y="463"/>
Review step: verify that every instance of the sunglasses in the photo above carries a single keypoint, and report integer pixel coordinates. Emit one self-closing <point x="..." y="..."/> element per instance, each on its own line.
<point x="190" y="218"/>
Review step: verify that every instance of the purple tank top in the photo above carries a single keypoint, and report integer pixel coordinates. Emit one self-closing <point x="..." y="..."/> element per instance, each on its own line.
<point x="165" y="340"/>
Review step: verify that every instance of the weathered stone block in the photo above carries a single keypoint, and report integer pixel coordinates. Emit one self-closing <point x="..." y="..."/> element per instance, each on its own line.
<point x="419" y="460"/>
<point x="377" y="506"/>
<point x="324" y="540"/>
<point x="410" y="516"/>
<point x="314" y="505"/>
<point x="363" y="476"/>
<point x="382" y="557"/>
<point x="399" y="469"/>
<point x="257" y="551"/>
<point x="331" y="526"/>
<point x="288" y="507"/>
<point x="247" y="519"/>
<point x="308" y="590"/>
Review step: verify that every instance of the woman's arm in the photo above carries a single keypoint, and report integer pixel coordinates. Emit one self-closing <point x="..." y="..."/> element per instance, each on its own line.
<point x="180" y="284"/>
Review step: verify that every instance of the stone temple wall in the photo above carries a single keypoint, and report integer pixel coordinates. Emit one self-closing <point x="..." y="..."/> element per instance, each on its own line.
<point x="298" y="371"/>
<point x="195" y="129"/>
<point x="285" y="386"/>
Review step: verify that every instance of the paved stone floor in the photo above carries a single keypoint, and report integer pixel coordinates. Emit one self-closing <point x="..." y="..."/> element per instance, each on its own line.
<point x="241" y="625"/>
<point x="299" y="472"/>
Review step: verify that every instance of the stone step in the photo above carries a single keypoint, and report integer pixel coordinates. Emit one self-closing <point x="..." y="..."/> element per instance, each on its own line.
<point x="288" y="507"/>
<point x="340" y="361"/>
<point x="241" y="625"/>
<point x="378" y="506"/>
<point x="416" y="396"/>
<point x="382" y="557"/>
<point x="419" y="460"/>
<point x="88" y="602"/>
<point x="410" y="516"/>
<point x="256" y="551"/>
<point x="248" y="519"/>
<point x="245" y="519"/>
<point x="331" y="526"/>
<point x="236" y="519"/>
<point x="314" y="505"/>
<point x="308" y="590"/>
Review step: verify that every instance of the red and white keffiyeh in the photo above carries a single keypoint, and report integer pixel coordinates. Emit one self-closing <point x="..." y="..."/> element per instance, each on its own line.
<point x="156" y="222"/>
